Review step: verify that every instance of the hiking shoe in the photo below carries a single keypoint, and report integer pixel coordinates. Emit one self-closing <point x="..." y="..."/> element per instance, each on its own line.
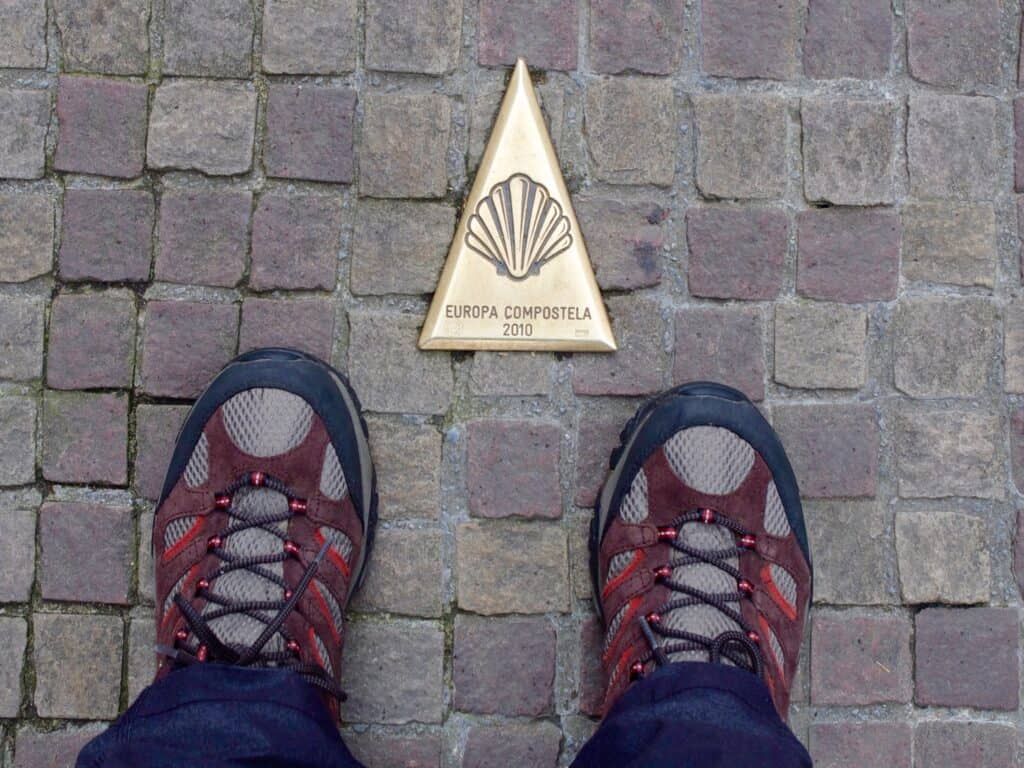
<point x="698" y="546"/>
<point x="265" y="521"/>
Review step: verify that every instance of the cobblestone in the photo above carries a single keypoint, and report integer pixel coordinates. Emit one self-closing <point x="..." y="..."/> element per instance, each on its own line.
<point x="747" y="38"/>
<point x="92" y="340"/>
<point x="78" y="665"/>
<point x="204" y="237"/>
<point x="820" y="346"/>
<point x="424" y="41"/>
<point x="18" y="553"/>
<point x="983" y="745"/>
<point x="309" y="36"/>
<point x="309" y="133"/>
<point x="403" y="145"/>
<point x="528" y="452"/>
<point x="23" y="33"/>
<point x="860" y="659"/>
<point x="14" y="637"/>
<point x="38" y="748"/>
<point x="637" y="367"/>
<point x="624" y="240"/>
<point x="26" y="250"/>
<point x="864" y="744"/>
<point x="107" y="235"/>
<point x="305" y="324"/>
<point x="956" y="568"/>
<point x="97" y="540"/>
<point x="548" y="40"/>
<point x="85" y="437"/>
<point x="848" y="39"/>
<point x="408" y="460"/>
<point x="212" y="38"/>
<point x="155" y="430"/>
<point x="736" y="253"/>
<point x="533" y="744"/>
<point x="720" y="345"/>
<point x="955" y="44"/>
<point x="23" y="132"/>
<point x="406" y="574"/>
<point x="858" y="567"/>
<point x="17" y="440"/>
<point x="295" y="242"/>
<point x="950" y="243"/>
<point x="21" y="338"/>
<point x="108" y="36"/>
<point x="636" y="37"/>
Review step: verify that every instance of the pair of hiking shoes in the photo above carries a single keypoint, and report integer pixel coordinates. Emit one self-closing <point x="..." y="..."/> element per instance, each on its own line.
<point x="265" y="525"/>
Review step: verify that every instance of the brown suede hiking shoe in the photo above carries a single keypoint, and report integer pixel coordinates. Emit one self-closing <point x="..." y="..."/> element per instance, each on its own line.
<point x="698" y="545"/>
<point x="265" y="521"/>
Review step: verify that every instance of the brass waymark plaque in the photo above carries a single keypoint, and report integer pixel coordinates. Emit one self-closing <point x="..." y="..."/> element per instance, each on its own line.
<point x="518" y="276"/>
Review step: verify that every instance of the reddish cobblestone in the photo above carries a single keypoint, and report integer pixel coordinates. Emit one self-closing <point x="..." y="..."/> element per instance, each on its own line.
<point x="37" y="748"/>
<point x="533" y="744"/>
<point x="848" y="255"/>
<point x="102" y="126"/>
<point x="980" y="745"/>
<point x="736" y="253"/>
<point x="305" y="324"/>
<point x="107" y="235"/>
<point x="527" y="453"/>
<point x="860" y="659"/>
<point x="864" y="744"/>
<point x="600" y="423"/>
<point x="548" y="41"/>
<point x="720" y="344"/>
<point x="848" y="39"/>
<point x="309" y="133"/>
<point x="383" y="750"/>
<point x="156" y="427"/>
<point x="295" y="242"/>
<point x="748" y="38"/>
<point x="98" y="540"/>
<point x="424" y="41"/>
<point x="85" y="438"/>
<point x="204" y="237"/>
<point x="92" y="340"/>
<point x="592" y="677"/>
<point x="624" y="240"/>
<point x="955" y="43"/>
<point x="636" y="37"/>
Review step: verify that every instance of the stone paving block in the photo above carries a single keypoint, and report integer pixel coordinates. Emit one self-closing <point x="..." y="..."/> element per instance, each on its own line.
<point x="18" y="553"/>
<point x="636" y="37"/>
<point x="833" y="448"/>
<point x="92" y="340"/>
<point x="146" y="589"/>
<point x="863" y="744"/>
<point x="108" y="36"/>
<point x="534" y="744"/>
<point x="85" y="438"/>
<point x="426" y="39"/>
<point x="527" y="453"/>
<point x="173" y="368"/>
<point x="943" y="557"/>
<point x="85" y="552"/>
<point x="579" y="558"/>
<point x="102" y="126"/>
<point x="1017" y="447"/>
<point x="309" y="36"/>
<point x="156" y="427"/>
<point x="404" y="145"/>
<point x="955" y="147"/>
<point x="549" y="40"/>
<point x="956" y="44"/>
<point x="820" y="346"/>
<point x="527" y="571"/>
<point x="720" y="344"/>
<point x="741" y="145"/>
<point x="600" y="422"/>
<point x="943" y="347"/>
<point x="202" y="125"/>
<point x="23" y="33"/>
<point x="309" y="132"/>
<point x="848" y="255"/>
<point x="78" y="665"/>
<point x="949" y="452"/>
<point x="204" y="236"/>
<point x="107" y="235"/>
<point x="1018" y="155"/>
<point x="748" y="38"/>
<point x="938" y="744"/>
<point x="1013" y="347"/>
<point x="637" y="368"/>
<point x="400" y="247"/>
<point x="388" y="371"/>
<point x="592" y="677"/>
<point x="848" y="148"/>
<point x="37" y="748"/>
<point x="141" y="656"/>
<point x="967" y="657"/>
<point x="23" y="132"/>
<point x="379" y="686"/>
<point x="860" y="659"/>
<point x="640" y="150"/>
<point x="306" y="324"/>
<point x="511" y="373"/>
<point x="26" y="249"/>
<point x="854" y="556"/>
<point x="383" y="750"/>
<point x="408" y="460"/>
<point x="13" y="638"/>
<point x="484" y="651"/>
<point x="17" y="440"/>
<point x="406" y="575"/>
<point x="848" y="39"/>
<point x="21" y="337"/>
<point x="736" y="253"/>
<point x="950" y="243"/>
<point x="208" y="38"/>
<point x="295" y="242"/>
<point x="625" y="240"/>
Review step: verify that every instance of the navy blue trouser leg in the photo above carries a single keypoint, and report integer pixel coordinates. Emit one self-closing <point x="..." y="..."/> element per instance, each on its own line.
<point x="683" y="716"/>
<point x="694" y="715"/>
<point x="223" y="717"/>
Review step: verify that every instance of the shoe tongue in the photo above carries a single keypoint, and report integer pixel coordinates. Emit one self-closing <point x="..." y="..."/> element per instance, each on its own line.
<point x="243" y="585"/>
<point x="702" y="619"/>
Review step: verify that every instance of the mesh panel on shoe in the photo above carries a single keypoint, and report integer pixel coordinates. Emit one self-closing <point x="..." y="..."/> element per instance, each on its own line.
<point x="613" y="627"/>
<point x="618" y="564"/>
<point x="176" y="529"/>
<point x="170" y="595"/>
<point x="332" y="605"/>
<point x="267" y="422"/>
<point x="710" y="460"/>
<point x="634" y="506"/>
<point x="785" y="582"/>
<point x="780" y="656"/>
<point x="198" y="468"/>
<point x="325" y="657"/>
<point x="703" y="619"/>
<point x="775" y="520"/>
<point x="243" y="585"/>
<point x="332" y="476"/>
<point x="339" y="542"/>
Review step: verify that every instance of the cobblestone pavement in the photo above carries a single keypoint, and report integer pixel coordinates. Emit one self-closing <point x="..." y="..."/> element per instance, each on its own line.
<point x="810" y="199"/>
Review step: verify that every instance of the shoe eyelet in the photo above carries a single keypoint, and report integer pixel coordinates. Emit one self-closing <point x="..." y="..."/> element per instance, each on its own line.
<point x="707" y="516"/>
<point x="636" y="670"/>
<point x="298" y="506"/>
<point x="258" y="479"/>
<point x="748" y="541"/>
<point x="667" y="533"/>
<point x="202" y="654"/>
<point x="754" y="637"/>
<point x="222" y="501"/>
<point x="746" y="587"/>
<point x="662" y="572"/>
<point x="214" y="542"/>
<point x="653" y="618"/>
<point x="291" y="548"/>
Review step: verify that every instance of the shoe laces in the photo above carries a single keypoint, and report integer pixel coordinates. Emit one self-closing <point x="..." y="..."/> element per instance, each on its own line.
<point x="740" y="647"/>
<point x="207" y="646"/>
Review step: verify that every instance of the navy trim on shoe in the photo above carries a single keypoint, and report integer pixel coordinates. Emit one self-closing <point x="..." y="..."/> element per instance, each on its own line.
<point x="690" y="405"/>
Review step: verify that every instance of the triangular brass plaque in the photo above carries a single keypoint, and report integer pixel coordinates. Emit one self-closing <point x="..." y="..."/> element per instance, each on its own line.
<point x="518" y="276"/>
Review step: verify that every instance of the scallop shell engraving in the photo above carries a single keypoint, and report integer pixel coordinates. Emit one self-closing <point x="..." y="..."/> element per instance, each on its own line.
<point x="518" y="227"/>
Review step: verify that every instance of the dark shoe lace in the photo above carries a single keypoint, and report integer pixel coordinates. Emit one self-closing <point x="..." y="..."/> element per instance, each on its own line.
<point x="207" y="647"/>
<point x="739" y="647"/>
